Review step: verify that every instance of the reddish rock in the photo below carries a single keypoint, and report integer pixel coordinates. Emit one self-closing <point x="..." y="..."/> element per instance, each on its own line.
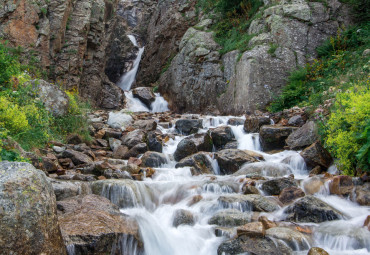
<point x="341" y="185"/>
<point x="266" y="223"/>
<point x="367" y="222"/>
<point x="290" y="194"/>
<point x="134" y="161"/>
<point x="317" y="155"/>
<point x="253" y="229"/>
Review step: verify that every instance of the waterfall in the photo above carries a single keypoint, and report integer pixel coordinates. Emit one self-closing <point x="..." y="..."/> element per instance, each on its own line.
<point x="128" y="78"/>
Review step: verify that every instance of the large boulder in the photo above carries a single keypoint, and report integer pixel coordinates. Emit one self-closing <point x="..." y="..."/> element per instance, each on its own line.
<point x="230" y="218"/>
<point x="147" y="125"/>
<point x="221" y="136"/>
<point x="154" y="144"/>
<point x="273" y="137"/>
<point x="253" y="124"/>
<point x="251" y="202"/>
<point x="119" y="120"/>
<point x="185" y="148"/>
<point x="199" y="163"/>
<point x="202" y="141"/>
<point x="230" y="160"/>
<point x="264" y="169"/>
<point x="303" y="136"/>
<point x="153" y="159"/>
<point x="93" y="225"/>
<point x="317" y="155"/>
<point x="133" y="138"/>
<point x="54" y="99"/>
<point x="275" y="186"/>
<point x="312" y="209"/>
<point x="293" y="238"/>
<point x="29" y="223"/>
<point x="145" y="95"/>
<point x="188" y="126"/>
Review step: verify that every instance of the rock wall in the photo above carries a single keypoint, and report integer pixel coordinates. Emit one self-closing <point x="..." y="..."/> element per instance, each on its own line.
<point x="199" y="79"/>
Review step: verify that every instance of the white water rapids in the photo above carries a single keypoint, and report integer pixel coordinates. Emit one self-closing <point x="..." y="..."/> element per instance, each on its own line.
<point x="155" y="201"/>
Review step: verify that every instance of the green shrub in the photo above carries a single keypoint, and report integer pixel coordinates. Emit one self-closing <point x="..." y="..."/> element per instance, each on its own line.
<point x="8" y="65"/>
<point x="347" y="132"/>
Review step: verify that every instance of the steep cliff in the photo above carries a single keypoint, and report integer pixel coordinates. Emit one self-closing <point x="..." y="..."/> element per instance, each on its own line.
<point x="286" y="34"/>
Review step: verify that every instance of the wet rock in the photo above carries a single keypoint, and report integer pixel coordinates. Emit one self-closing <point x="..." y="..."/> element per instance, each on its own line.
<point x="264" y="169"/>
<point x="230" y="160"/>
<point x="312" y="209"/>
<point x="275" y="186"/>
<point x="341" y="185"/>
<point x="202" y="141"/>
<point x="187" y="126"/>
<point x="67" y="189"/>
<point x="248" y="189"/>
<point x="316" y="155"/>
<point x="316" y="171"/>
<point x="147" y="125"/>
<point x="183" y="217"/>
<point x="77" y="158"/>
<point x="199" y="163"/>
<point x="119" y="120"/>
<point x="93" y="225"/>
<point x="145" y="95"/>
<point x="154" y="144"/>
<point x="363" y="194"/>
<point x="74" y="139"/>
<point x="133" y="138"/>
<point x="296" y="121"/>
<point x="313" y="185"/>
<point x="137" y="150"/>
<point x="273" y="137"/>
<point x="266" y="223"/>
<point x="253" y="245"/>
<point x="294" y="239"/>
<point x="185" y="148"/>
<point x="230" y="218"/>
<point x="235" y="121"/>
<point x="317" y="251"/>
<point x="290" y="194"/>
<point x="253" y="229"/>
<point x="303" y="136"/>
<point x="253" y="124"/>
<point x="221" y="136"/>
<point x="367" y="222"/>
<point x="153" y="159"/>
<point x="29" y="223"/>
<point x="252" y="202"/>
<point x="231" y="145"/>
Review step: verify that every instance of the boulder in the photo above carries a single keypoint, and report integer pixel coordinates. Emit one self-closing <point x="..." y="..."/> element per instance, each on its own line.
<point x="253" y="229"/>
<point x="77" y="158"/>
<point x="312" y="209"/>
<point x="202" y="141"/>
<point x="188" y="126"/>
<point x="341" y="185"/>
<point x="183" y="217"/>
<point x="317" y="251"/>
<point x="363" y="194"/>
<point x="154" y="144"/>
<point x="65" y="189"/>
<point x="313" y="185"/>
<point x="230" y="160"/>
<point x="273" y="137"/>
<point x="317" y="155"/>
<point x="147" y="125"/>
<point x="138" y="149"/>
<point x="199" y="163"/>
<point x="303" y="136"/>
<point x="121" y="152"/>
<point x="185" y="148"/>
<point x="133" y="138"/>
<point x="145" y="95"/>
<point x="221" y="136"/>
<point x="93" y="225"/>
<point x="55" y="100"/>
<point x="119" y="120"/>
<point x="252" y="202"/>
<point x="290" y="194"/>
<point x="253" y="124"/>
<point x="235" y="121"/>
<point x="114" y="143"/>
<point x="29" y="223"/>
<point x="294" y="239"/>
<point x="296" y="121"/>
<point x="264" y="169"/>
<point x="153" y="159"/>
<point x="230" y="218"/>
<point x="249" y="189"/>
<point x="275" y="186"/>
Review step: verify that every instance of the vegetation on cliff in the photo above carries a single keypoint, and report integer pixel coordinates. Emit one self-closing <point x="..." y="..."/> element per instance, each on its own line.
<point x="335" y="87"/>
<point x="23" y="116"/>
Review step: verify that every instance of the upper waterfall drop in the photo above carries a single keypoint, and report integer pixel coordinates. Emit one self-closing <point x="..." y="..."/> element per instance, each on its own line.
<point x="128" y="78"/>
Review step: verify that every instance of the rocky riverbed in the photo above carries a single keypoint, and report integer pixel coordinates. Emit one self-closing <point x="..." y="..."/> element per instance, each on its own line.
<point x="164" y="183"/>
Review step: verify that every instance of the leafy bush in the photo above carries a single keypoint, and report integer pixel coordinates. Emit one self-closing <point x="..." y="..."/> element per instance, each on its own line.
<point x="8" y="65"/>
<point x="348" y="130"/>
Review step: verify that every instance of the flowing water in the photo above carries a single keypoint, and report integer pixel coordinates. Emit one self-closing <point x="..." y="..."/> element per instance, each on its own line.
<point x="155" y="201"/>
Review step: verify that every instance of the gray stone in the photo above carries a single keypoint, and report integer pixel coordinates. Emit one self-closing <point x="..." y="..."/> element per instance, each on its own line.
<point x="183" y="217"/>
<point x="145" y="95"/>
<point x="185" y="148"/>
<point x="275" y="186"/>
<point x="153" y="159"/>
<point x="273" y="137"/>
<point x="199" y="163"/>
<point x="187" y="127"/>
<point x="303" y="137"/>
<point x="221" y="136"/>
<point x="251" y="202"/>
<point x="230" y="160"/>
<point x="133" y="138"/>
<point x="78" y="158"/>
<point x="230" y="218"/>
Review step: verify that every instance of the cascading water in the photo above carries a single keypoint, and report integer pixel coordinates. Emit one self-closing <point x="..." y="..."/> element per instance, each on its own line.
<point x="128" y="78"/>
<point x="156" y="203"/>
